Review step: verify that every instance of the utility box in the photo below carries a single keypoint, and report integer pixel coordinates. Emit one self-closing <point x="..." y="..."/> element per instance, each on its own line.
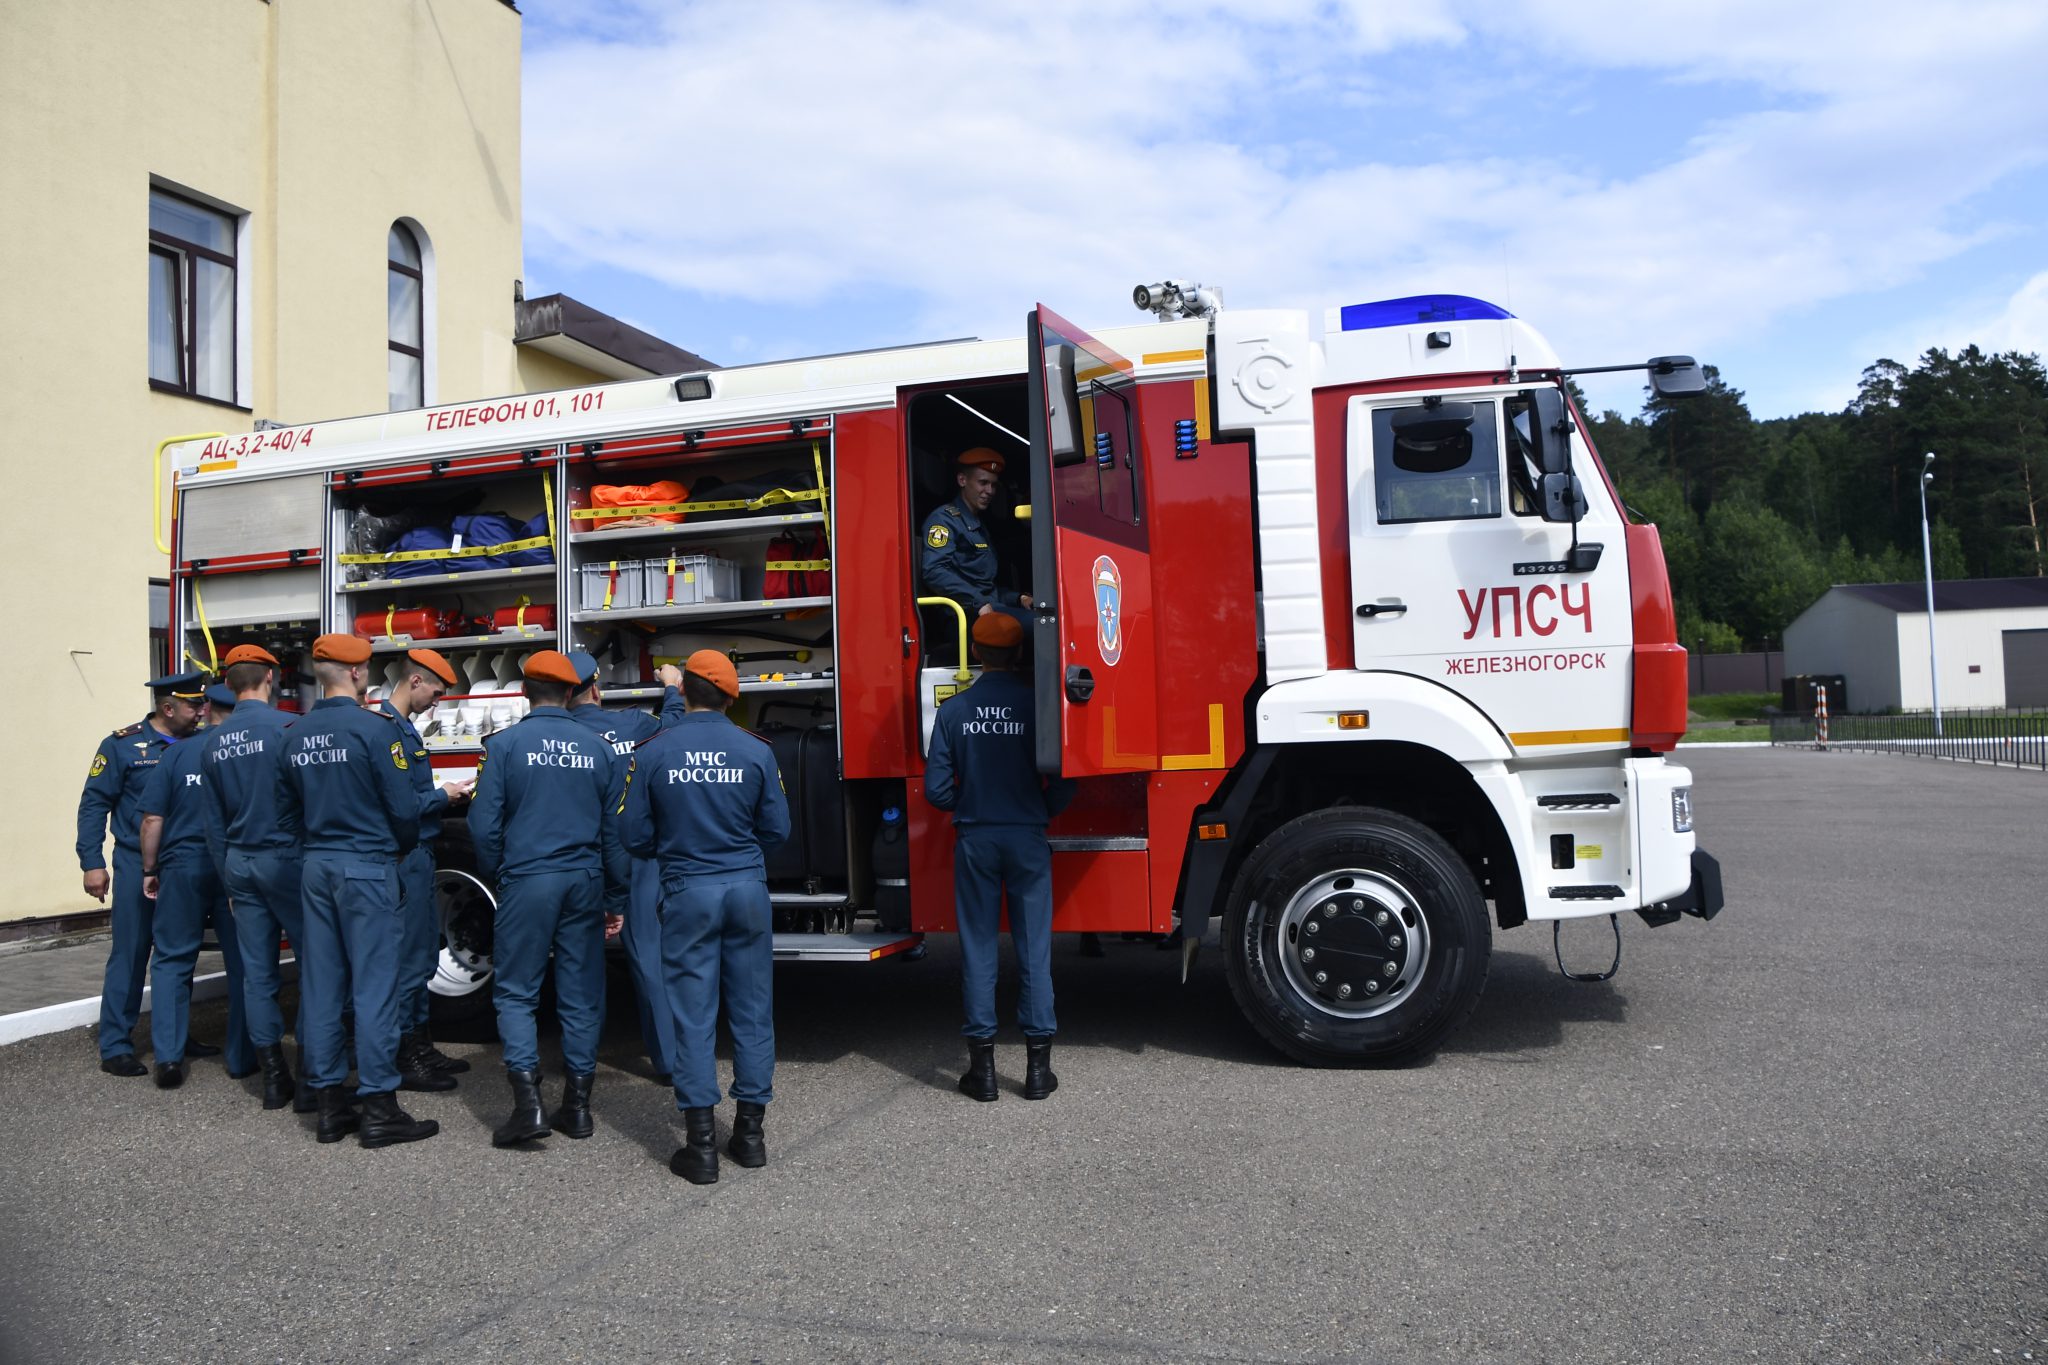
<point x="1802" y="691"/>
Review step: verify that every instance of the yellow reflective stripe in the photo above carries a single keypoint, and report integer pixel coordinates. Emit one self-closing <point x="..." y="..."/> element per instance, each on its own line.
<point x="1213" y="759"/>
<point x="1528" y="739"/>
<point x="1173" y="357"/>
<point x="798" y="565"/>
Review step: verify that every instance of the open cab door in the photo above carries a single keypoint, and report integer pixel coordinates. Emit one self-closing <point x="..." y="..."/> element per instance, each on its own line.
<point x="1091" y="568"/>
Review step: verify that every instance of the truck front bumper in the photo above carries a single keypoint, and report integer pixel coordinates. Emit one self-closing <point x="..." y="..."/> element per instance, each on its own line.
<point x="1702" y="898"/>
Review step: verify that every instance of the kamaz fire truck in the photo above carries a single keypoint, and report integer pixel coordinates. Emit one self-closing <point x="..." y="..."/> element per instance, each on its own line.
<point x="1349" y="642"/>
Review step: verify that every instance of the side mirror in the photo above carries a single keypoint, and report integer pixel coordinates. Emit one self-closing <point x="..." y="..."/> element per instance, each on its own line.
<point x="1564" y="499"/>
<point x="1675" y="376"/>
<point x="1550" y="429"/>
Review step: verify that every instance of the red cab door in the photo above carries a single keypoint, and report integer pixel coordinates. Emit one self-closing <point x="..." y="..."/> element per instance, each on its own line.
<point x="1091" y="568"/>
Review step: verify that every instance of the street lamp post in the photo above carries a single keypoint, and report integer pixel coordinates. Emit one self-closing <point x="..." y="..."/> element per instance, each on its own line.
<point x="1927" y="557"/>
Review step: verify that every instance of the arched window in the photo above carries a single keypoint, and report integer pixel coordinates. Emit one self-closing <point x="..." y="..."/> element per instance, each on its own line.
<point x="406" y="290"/>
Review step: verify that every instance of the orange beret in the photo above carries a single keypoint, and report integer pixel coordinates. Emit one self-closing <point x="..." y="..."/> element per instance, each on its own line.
<point x="249" y="654"/>
<point x="431" y="660"/>
<point x="998" y="628"/>
<point x="550" y="665"/>
<point x="715" y="668"/>
<point x="981" y="457"/>
<point x="342" y="649"/>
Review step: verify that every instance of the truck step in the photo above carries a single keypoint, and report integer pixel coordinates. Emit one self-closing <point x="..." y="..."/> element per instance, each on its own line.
<point x="1579" y="801"/>
<point x="1084" y="843"/>
<point x="820" y="900"/>
<point x="1586" y="893"/>
<point x="870" y="947"/>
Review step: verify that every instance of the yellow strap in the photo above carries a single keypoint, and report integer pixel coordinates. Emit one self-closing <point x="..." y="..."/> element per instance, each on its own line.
<point x="611" y="581"/>
<point x="519" y="620"/>
<point x="547" y="497"/>
<point x="390" y="619"/>
<point x="824" y="502"/>
<point x="671" y="598"/>
<point x="774" y="497"/>
<point x="468" y="552"/>
<point x="798" y="565"/>
<point x="213" y="655"/>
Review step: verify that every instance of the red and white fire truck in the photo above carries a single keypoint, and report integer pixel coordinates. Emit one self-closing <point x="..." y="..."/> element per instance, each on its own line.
<point x="1349" y="642"/>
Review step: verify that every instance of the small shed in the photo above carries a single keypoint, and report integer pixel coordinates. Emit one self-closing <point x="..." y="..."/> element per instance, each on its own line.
<point x="1990" y="635"/>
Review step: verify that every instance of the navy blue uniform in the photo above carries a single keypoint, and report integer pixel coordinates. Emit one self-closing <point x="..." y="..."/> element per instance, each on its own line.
<point x="258" y="862"/>
<point x="707" y="801"/>
<point x="188" y="896"/>
<point x="344" y="790"/>
<point x="545" y="822"/>
<point x="956" y="560"/>
<point x="113" y="795"/>
<point x="983" y="767"/>
<point x="626" y="730"/>
<point x="419" y="951"/>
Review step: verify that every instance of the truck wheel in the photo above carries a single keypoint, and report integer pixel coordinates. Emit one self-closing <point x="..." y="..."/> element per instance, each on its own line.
<point x="459" y="1006"/>
<point x="1355" y="936"/>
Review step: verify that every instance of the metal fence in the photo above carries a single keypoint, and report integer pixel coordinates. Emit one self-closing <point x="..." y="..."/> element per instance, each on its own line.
<point x="2015" y="738"/>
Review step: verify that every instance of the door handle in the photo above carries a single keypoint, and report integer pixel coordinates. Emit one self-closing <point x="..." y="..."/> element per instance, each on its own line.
<point x="1372" y="609"/>
<point x="906" y="642"/>
<point x="1080" y="683"/>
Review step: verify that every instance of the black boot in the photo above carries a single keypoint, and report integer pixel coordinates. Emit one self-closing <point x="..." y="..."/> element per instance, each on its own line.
<point x="979" y="1082"/>
<point x="385" y="1123"/>
<point x="573" y="1118"/>
<point x="433" y="1056"/>
<point x="747" y="1146"/>
<point x="526" y="1122"/>
<point x="170" y="1075"/>
<point x="697" y="1159"/>
<point x="277" y="1077"/>
<point x="1038" y="1078"/>
<point x="415" y="1071"/>
<point x="306" y="1100"/>
<point x="123" y="1064"/>
<point x="195" y="1048"/>
<point x="338" y="1116"/>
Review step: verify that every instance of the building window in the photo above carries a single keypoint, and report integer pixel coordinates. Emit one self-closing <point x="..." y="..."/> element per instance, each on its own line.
<point x="191" y="298"/>
<point x="405" y="303"/>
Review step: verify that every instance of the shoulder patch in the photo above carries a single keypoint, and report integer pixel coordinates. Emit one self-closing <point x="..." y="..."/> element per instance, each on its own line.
<point x="398" y="756"/>
<point x="128" y="730"/>
<point x="938" y="536"/>
<point x="99" y="765"/>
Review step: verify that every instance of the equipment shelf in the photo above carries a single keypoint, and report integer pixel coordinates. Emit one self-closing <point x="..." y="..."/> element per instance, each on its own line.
<point x="763" y="685"/>
<point x="392" y="644"/>
<point x="544" y="573"/>
<point x="702" y="611"/>
<point x="723" y="528"/>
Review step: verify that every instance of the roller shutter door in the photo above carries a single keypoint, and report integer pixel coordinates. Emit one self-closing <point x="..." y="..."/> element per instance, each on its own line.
<point x="2026" y="667"/>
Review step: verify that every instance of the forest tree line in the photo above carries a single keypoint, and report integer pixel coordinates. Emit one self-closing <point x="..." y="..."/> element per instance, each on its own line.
<point x="1759" y="518"/>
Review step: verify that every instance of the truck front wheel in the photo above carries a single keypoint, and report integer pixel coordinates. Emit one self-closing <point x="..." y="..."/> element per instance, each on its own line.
<point x="1355" y="936"/>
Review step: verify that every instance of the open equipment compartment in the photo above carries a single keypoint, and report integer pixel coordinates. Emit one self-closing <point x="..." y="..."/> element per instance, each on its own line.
<point x="461" y="556"/>
<point x="720" y="538"/>
<point x="246" y="569"/>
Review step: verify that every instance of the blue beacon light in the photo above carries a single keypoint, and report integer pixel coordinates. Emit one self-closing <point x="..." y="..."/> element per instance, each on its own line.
<point x="1417" y="309"/>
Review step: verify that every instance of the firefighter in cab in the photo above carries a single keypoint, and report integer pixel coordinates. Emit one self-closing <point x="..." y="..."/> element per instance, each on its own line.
<point x="707" y="801"/>
<point x="983" y="767"/>
<point x="344" y="788"/>
<point x="546" y="826"/>
<point x="114" y="783"/>
<point x="428" y="677"/>
<point x="955" y="559"/>
<point x="258" y="860"/>
<point x="179" y="876"/>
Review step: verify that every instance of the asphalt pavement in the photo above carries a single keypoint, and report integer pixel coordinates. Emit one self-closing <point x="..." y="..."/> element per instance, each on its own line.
<point x="1810" y="1130"/>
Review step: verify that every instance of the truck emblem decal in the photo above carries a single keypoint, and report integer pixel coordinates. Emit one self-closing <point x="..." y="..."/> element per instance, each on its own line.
<point x="1109" y="608"/>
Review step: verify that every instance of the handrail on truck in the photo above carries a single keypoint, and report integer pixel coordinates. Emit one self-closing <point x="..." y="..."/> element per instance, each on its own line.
<point x="156" y="483"/>
<point x="961" y="674"/>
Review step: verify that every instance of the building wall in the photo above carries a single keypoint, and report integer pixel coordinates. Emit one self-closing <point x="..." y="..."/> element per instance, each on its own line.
<point x="1963" y="639"/>
<point x="323" y="122"/>
<point x="1857" y="639"/>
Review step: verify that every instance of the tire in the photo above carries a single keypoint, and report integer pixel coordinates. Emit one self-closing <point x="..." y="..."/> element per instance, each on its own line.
<point x="459" y="1006"/>
<point x="1386" y="912"/>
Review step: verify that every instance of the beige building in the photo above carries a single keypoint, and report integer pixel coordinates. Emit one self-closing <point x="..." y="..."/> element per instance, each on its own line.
<point x="223" y="212"/>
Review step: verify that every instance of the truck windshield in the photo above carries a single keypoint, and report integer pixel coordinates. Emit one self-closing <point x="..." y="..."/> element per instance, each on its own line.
<point x="1435" y="470"/>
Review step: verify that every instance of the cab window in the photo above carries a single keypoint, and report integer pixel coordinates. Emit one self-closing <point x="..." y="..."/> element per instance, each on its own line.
<point x="1436" y="461"/>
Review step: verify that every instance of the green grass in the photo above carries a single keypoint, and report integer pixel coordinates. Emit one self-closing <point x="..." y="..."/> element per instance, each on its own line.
<point x="1729" y="734"/>
<point x="1733" y="705"/>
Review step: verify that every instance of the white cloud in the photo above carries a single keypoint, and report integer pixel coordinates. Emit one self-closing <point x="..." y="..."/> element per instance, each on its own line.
<point x="978" y="158"/>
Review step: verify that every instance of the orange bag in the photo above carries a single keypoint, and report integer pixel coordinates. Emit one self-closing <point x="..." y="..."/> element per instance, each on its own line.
<point x="638" y="495"/>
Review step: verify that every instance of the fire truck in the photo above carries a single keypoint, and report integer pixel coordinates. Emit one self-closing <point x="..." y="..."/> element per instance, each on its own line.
<point x="1348" y="640"/>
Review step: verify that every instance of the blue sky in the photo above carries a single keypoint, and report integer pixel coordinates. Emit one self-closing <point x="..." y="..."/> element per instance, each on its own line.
<point x="1788" y="192"/>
